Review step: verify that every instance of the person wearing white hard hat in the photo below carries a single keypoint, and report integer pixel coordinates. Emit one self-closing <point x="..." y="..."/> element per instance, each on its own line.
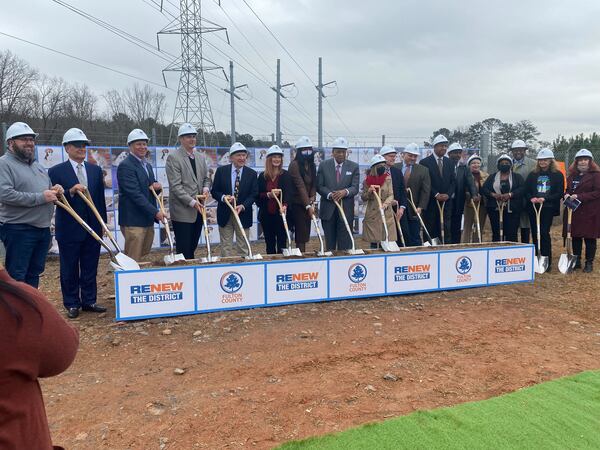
<point x="187" y="175"/>
<point x="399" y="204"/>
<point x="79" y="252"/>
<point x="479" y="177"/>
<point x="26" y="206"/>
<point x="137" y="205"/>
<point x="303" y="172"/>
<point x="583" y="185"/>
<point x="443" y="185"/>
<point x="416" y="178"/>
<point x="522" y="165"/>
<point x="544" y="186"/>
<point x="465" y="185"/>
<point x="269" y="216"/>
<point x="378" y="178"/>
<point x="337" y="180"/>
<point x="235" y="181"/>
<point x="504" y="192"/>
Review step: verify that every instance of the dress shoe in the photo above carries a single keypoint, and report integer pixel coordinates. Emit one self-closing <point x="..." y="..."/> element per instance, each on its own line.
<point x="73" y="313"/>
<point x="94" y="307"/>
<point x="589" y="267"/>
<point x="577" y="263"/>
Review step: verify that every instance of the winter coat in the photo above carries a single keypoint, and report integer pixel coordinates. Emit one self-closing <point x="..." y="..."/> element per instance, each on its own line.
<point x="372" y="225"/>
<point x="586" y="218"/>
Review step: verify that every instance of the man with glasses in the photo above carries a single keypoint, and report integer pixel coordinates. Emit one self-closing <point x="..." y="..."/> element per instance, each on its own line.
<point x="26" y="206"/>
<point x="79" y="252"/>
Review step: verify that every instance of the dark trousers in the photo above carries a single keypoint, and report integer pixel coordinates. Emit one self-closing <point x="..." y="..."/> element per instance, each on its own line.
<point x="455" y="231"/>
<point x="275" y="236"/>
<point x="431" y="217"/>
<point x="510" y="225"/>
<point x="411" y="227"/>
<point x="590" y="248"/>
<point x="78" y="271"/>
<point x="187" y="236"/>
<point x="26" y="251"/>
<point x="336" y="235"/>
<point x="525" y="233"/>
<point x="545" y="223"/>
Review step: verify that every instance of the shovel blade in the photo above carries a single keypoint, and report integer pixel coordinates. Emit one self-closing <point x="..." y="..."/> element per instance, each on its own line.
<point x="210" y="260"/>
<point x="357" y="251"/>
<point x="543" y="263"/>
<point x="324" y="253"/>
<point x="292" y="252"/>
<point x="172" y="258"/>
<point x="566" y="263"/>
<point x="254" y="256"/>
<point x="389" y="246"/>
<point x="125" y="262"/>
<point x="426" y="244"/>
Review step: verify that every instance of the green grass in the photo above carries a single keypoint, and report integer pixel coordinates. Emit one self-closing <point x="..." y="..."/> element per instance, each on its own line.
<point x="560" y="414"/>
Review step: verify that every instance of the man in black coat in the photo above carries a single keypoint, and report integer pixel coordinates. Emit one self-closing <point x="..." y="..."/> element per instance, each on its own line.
<point x="235" y="181"/>
<point x="389" y="153"/>
<point x="464" y="184"/>
<point x="443" y="182"/>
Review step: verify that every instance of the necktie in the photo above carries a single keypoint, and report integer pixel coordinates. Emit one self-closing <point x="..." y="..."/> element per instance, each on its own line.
<point x="80" y="175"/>
<point x="338" y="173"/>
<point x="407" y="174"/>
<point x="236" y="189"/>
<point x="441" y="166"/>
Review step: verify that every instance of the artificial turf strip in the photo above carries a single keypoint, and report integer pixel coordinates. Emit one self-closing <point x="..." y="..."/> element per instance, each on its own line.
<point x="560" y="414"/>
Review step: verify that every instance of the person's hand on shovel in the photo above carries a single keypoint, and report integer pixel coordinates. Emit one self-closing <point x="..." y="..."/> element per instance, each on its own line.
<point x="160" y="216"/>
<point x="58" y="189"/>
<point x="77" y="188"/>
<point x="441" y="197"/>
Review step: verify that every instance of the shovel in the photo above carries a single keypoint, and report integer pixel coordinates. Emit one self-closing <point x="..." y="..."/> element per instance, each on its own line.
<point x="353" y="250"/>
<point x="123" y="261"/>
<point x="171" y="258"/>
<point x="228" y="201"/>
<point x="322" y="251"/>
<point x="386" y="245"/>
<point x="567" y="261"/>
<point x="540" y="263"/>
<point x="117" y="264"/>
<point x="289" y="251"/>
<point x="441" y="205"/>
<point x="501" y="205"/>
<point x="430" y="242"/>
<point x="400" y="231"/>
<point x="209" y="258"/>
<point x="476" y="207"/>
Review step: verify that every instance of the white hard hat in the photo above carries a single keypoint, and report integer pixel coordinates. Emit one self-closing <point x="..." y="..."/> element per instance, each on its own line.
<point x="136" y="135"/>
<point x="74" y="135"/>
<point x="186" y="128"/>
<point x="440" y="139"/>
<point x="518" y="144"/>
<point x="237" y="147"/>
<point x="413" y="149"/>
<point x="340" y="143"/>
<point x="473" y="158"/>
<point x="454" y="147"/>
<point x="386" y="150"/>
<point x="545" y="153"/>
<point x="274" y="150"/>
<point x="19" y="129"/>
<point x="376" y="160"/>
<point x="584" y="152"/>
<point x="303" y="142"/>
<point x="505" y="156"/>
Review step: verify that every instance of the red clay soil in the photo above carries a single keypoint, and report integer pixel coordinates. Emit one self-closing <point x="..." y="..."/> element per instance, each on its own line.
<point x="257" y="378"/>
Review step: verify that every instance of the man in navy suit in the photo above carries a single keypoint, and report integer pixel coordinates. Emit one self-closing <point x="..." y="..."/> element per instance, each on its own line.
<point x="79" y="251"/>
<point x="137" y="205"/>
<point x="237" y="181"/>
<point x="389" y="153"/>
<point x="443" y="180"/>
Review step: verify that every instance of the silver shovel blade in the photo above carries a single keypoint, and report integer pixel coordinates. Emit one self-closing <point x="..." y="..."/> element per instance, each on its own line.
<point x="324" y="253"/>
<point x="358" y="251"/>
<point x="426" y="244"/>
<point x="212" y="259"/>
<point x="292" y="252"/>
<point x="254" y="256"/>
<point x="172" y="258"/>
<point x="125" y="262"/>
<point x="436" y="241"/>
<point x="542" y="262"/>
<point x="566" y="263"/>
<point x="389" y="246"/>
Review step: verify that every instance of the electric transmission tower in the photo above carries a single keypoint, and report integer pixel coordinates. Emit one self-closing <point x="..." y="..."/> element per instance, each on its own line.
<point x="192" y="103"/>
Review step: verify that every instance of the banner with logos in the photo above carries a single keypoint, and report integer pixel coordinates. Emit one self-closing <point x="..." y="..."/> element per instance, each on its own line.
<point x="219" y="287"/>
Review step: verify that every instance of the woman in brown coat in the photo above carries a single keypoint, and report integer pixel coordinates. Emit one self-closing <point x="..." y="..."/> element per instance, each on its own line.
<point x="479" y="177"/>
<point x="304" y="190"/>
<point x="35" y="342"/>
<point x="373" y="231"/>
<point x="583" y="184"/>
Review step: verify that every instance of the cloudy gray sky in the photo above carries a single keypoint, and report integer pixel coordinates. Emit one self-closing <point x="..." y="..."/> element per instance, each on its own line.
<point x="404" y="68"/>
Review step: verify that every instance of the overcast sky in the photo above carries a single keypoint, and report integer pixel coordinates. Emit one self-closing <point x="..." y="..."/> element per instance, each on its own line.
<point x="403" y="68"/>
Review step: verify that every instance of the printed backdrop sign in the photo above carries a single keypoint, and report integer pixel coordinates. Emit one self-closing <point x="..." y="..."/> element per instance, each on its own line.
<point x="510" y="265"/>
<point x="412" y="273"/>
<point x="463" y="269"/>
<point x="231" y="286"/>
<point x="356" y="277"/>
<point x="297" y="281"/>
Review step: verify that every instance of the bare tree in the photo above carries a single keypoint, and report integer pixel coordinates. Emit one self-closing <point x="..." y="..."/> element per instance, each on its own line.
<point x="16" y="78"/>
<point x="144" y="104"/>
<point x="115" y="104"/>
<point x="48" y="101"/>
<point x="81" y="104"/>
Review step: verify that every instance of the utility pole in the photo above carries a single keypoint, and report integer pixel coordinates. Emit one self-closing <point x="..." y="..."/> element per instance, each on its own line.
<point x="320" y="87"/>
<point x="232" y="97"/>
<point x="382" y="140"/>
<point x="278" y="96"/>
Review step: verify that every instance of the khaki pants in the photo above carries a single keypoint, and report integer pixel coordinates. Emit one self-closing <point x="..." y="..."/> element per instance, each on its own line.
<point x="228" y="248"/>
<point x="468" y="235"/>
<point x="138" y="241"/>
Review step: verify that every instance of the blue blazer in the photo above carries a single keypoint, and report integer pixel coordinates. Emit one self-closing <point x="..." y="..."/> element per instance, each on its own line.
<point x="137" y="205"/>
<point x="67" y="229"/>
<point x="398" y="186"/>
<point x="247" y="195"/>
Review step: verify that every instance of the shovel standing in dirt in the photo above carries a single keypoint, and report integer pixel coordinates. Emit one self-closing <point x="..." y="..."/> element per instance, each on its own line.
<point x="440" y="205"/>
<point x="171" y="258"/>
<point x="501" y="206"/>
<point x="289" y="251"/>
<point x="386" y="245"/>
<point x="476" y="206"/>
<point x="321" y="251"/>
<point x="209" y="258"/>
<point x="567" y="261"/>
<point x="540" y="263"/>
<point x="231" y="202"/>
<point x="430" y="241"/>
<point x="353" y="250"/>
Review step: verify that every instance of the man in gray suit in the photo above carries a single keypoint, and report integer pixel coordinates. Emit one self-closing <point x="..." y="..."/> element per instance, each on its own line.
<point x="187" y="173"/>
<point x="337" y="179"/>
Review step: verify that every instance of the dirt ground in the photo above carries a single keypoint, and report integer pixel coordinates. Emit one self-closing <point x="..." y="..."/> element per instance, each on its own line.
<point x="257" y="378"/>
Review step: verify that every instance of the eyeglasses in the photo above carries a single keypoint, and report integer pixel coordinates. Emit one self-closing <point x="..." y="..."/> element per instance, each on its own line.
<point x="25" y="138"/>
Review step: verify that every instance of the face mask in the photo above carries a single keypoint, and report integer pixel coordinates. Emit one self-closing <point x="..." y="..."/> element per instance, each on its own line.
<point x="306" y="153"/>
<point x="380" y="171"/>
<point x="504" y="168"/>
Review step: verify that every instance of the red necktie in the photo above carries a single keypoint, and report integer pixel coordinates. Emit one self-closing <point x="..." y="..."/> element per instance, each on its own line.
<point x="338" y="173"/>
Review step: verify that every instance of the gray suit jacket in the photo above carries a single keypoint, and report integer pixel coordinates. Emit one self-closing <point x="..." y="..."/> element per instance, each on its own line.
<point x="420" y="186"/>
<point x="184" y="185"/>
<point x="327" y="183"/>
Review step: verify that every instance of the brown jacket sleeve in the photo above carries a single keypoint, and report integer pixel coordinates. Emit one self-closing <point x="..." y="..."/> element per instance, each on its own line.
<point x="301" y="194"/>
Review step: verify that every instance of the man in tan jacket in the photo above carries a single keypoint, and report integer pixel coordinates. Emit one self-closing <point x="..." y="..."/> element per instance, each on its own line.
<point x="187" y="173"/>
<point x="523" y="166"/>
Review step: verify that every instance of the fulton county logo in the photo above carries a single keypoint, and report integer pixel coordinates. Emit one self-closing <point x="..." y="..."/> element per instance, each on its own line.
<point x="231" y="282"/>
<point x="297" y="281"/>
<point x="157" y="292"/>
<point x="412" y="272"/>
<point x="506" y="265"/>
<point x="463" y="265"/>
<point x="357" y="273"/>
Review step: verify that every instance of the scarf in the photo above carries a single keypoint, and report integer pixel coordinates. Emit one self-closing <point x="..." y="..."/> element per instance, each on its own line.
<point x="498" y="191"/>
<point x="376" y="180"/>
